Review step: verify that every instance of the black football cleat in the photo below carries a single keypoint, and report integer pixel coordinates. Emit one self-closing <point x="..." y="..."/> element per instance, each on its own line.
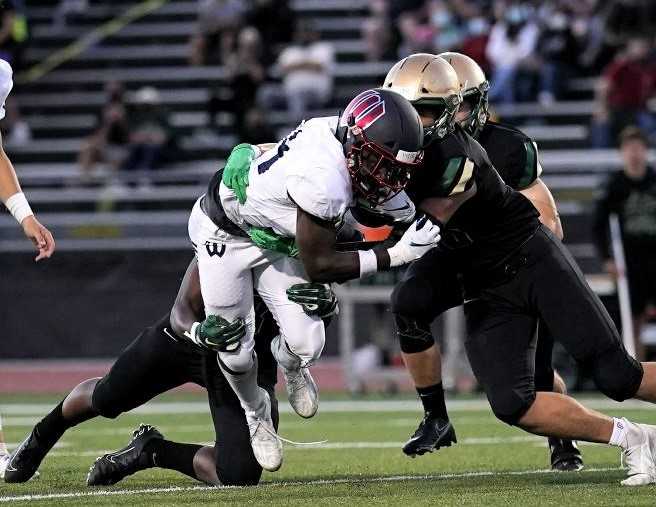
<point x="432" y="433"/>
<point x="115" y="466"/>
<point x="565" y="455"/>
<point x="26" y="459"/>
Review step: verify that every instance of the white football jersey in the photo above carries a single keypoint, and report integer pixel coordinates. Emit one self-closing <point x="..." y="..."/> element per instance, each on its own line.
<point x="6" y="83"/>
<point x="306" y="170"/>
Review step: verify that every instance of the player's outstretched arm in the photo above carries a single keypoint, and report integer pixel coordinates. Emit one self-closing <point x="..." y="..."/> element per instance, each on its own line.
<point x="316" y="240"/>
<point x="188" y="306"/>
<point x="14" y="199"/>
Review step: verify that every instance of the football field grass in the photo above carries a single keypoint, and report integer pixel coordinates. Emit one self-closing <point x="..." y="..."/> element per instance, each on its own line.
<point x="360" y="464"/>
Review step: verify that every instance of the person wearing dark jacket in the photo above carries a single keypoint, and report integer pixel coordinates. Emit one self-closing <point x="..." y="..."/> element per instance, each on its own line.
<point x="631" y="193"/>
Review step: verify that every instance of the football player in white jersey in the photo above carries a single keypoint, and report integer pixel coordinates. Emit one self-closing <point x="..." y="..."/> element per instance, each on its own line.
<point x="14" y="199"/>
<point x="272" y="224"/>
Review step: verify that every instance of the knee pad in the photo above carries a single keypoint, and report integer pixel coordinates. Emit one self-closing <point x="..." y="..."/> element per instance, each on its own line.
<point x="616" y="373"/>
<point x="414" y="335"/>
<point x="510" y="405"/>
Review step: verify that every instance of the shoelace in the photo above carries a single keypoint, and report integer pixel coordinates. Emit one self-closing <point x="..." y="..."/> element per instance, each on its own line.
<point x="297" y="381"/>
<point x="261" y="423"/>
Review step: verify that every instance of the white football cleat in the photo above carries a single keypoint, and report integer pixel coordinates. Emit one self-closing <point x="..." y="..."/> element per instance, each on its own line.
<point x="302" y="391"/>
<point x="639" y="454"/>
<point x="265" y="442"/>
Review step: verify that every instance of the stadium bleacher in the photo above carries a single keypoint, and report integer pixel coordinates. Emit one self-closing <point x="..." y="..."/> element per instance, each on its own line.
<point x="61" y="108"/>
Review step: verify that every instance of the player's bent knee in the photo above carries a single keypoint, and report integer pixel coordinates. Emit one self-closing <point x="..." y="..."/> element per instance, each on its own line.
<point x="413" y="298"/>
<point x="307" y="345"/>
<point x="617" y="374"/>
<point x="239" y="362"/>
<point x="103" y="403"/>
<point x="510" y="406"/>
<point x="414" y="335"/>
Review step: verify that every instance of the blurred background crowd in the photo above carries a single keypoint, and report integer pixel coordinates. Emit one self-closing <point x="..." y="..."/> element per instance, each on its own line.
<point x="115" y="133"/>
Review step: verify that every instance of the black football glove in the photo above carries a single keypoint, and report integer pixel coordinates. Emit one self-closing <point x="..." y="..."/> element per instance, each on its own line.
<point x="315" y="298"/>
<point x="216" y="333"/>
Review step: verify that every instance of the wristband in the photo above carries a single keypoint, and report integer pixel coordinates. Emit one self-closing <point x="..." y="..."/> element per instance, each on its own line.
<point x="368" y="262"/>
<point x="19" y="207"/>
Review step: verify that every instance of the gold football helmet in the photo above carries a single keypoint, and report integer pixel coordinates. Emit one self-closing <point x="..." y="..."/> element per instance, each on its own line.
<point x="431" y="85"/>
<point x="474" y="86"/>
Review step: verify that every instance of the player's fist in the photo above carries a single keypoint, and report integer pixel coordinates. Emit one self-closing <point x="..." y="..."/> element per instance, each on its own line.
<point x="422" y="236"/>
<point x="315" y="298"/>
<point x="216" y="333"/>
<point x="40" y="236"/>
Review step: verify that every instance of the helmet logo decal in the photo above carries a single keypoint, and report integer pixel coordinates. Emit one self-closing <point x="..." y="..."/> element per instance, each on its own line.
<point x="365" y="109"/>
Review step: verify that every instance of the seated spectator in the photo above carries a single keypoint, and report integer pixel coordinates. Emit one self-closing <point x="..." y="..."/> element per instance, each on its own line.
<point x="511" y="52"/>
<point x="475" y="41"/>
<point x="108" y="142"/>
<point x="378" y="34"/>
<point x="416" y="36"/>
<point x="558" y="52"/>
<point x="631" y="194"/>
<point x="623" y="92"/>
<point x="150" y="131"/>
<point x="16" y="131"/>
<point x="272" y="34"/>
<point x="218" y="23"/>
<point x="448" y="34"/>
<point x="13" y="32"/>
<point x="306" y="67"/>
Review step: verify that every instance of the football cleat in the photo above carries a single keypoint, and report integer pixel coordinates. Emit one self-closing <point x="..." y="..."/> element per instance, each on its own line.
<point x="432" y="433"/>
<point x="115" y="466"/>
<point x="638" y="452"/>
<point x="302" y="391"/>
<point x="565" y="455"/>
<point x="25" y="460"/>
<point x="265" y="442"/>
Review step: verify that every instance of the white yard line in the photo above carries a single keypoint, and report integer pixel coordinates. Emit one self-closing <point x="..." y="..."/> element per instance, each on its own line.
<point x="197" y="407"/>
<point x="370" y="480"/>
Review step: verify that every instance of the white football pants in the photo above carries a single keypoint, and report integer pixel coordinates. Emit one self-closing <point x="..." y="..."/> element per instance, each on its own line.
<point x="230" y="267"/>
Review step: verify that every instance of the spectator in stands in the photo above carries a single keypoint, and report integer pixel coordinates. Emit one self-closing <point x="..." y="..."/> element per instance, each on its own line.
<point x="150" y="131"/>
<point x="631" y="193"/>
<point x="306" y="67"/>
<point x="623" y="93"/>
<point x="558" y="51"/>
<point x="218" y="24"/>
<point x="108" y="142"/>
<point x="16" y="130"/>
<point x="416" y="35"/>
<point x="475" y="42"/>
<point x="378" y="33"/>
<point x="273" y="34"/>
<point x="511" y="52"/>
<point x="448" y="33"/>
<point x="13" y="32"/>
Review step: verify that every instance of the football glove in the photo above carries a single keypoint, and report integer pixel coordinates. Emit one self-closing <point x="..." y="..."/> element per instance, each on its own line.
<point x="235" y="172"/>
<point x="422" y="236"/>
<point x="315" y="298"/>
<point x="216" y="333"/>
<point x="269" y="240"/>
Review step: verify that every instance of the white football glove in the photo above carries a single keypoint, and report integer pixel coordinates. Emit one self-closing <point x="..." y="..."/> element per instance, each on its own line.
<point x="422" y="236"/>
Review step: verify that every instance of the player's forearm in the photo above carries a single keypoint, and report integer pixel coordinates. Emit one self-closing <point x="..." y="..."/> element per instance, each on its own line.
<point x="332" y="266"/>
<point x="188" y="306"/>
<point x="542" y="199"/>
<point x="8" y="181"/>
